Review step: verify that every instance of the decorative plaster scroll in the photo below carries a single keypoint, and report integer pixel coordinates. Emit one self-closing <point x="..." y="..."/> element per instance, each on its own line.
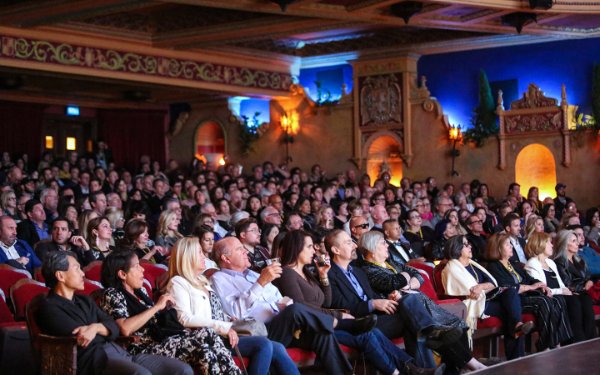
<point x="533" y="98"/>
<point x="70" y="55"/>
<point x="547" y="121"/>
<point x="381" y="100"/>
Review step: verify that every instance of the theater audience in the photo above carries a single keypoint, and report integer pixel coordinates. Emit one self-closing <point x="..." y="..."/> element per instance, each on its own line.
<point x="77" y="191"/>
<point x="541" y="267"/>
<point x="65" y="313"/>
<point x="464" y="277"/>
<point x="401" y="282"/>
<point x="247" y="294"/>
<point x="298" y="283"/>
<point x="126" y="300"/>
<point x="551" y="313"/>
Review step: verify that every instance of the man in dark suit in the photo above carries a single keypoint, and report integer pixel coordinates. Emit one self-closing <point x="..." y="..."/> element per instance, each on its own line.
<point x="512" y="226"/>
<point x="34" y="228"/>
<point x="398" y="246"/>
<point x="350" y="290"/>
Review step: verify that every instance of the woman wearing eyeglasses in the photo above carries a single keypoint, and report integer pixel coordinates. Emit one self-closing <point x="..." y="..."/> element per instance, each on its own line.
<point x="551" y="313"/>
<point x="418" y="235"/>
<point x="464" y="277"/>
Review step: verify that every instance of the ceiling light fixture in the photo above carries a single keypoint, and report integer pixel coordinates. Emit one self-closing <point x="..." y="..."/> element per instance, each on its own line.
<point x="518" y="20"/>
<point x="406" y="9"/>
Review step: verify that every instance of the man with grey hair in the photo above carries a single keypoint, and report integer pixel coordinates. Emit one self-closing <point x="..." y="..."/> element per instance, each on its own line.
<point x="49" y="199"/>
<point x="441" y="204"/>
<point x="64" y="313"/>
<point x="270" y="215"/>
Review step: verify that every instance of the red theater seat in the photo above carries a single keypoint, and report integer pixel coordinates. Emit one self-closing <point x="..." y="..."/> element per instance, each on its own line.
<point x="23" y="292"/>
<point x="92" y="270"/>
<point x="9" y="277"/>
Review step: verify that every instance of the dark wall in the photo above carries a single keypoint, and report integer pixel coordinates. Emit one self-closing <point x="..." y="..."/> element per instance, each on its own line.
<point x="21" y="128"/>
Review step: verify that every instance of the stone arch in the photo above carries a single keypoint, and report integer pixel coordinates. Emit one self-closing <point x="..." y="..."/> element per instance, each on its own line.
<point x="209" y="142"/>
<point x="535" y="166"/>
<point x="383" y="151"/>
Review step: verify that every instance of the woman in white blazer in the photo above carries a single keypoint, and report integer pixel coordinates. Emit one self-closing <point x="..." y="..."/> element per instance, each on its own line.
<point x="581" y="315"/>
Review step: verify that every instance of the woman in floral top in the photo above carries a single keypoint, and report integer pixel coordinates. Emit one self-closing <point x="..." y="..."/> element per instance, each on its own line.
<point x="126" y="301"/>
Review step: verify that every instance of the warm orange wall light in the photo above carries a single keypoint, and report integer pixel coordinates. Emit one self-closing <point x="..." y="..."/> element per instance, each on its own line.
<point x="535" y="166"/>
<point x="290" y="123"/>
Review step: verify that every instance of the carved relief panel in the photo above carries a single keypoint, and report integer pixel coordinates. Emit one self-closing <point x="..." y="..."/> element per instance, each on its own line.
<point x="380" y="100"/>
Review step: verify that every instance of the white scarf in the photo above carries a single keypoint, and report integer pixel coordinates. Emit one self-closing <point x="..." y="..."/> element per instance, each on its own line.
<point x="458" y="282"/>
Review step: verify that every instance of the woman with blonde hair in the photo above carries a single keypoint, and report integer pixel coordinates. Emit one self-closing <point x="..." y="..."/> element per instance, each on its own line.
<point x="539" y="249"/>
<point x="116" y="220"/>
<point x="324" y="217"/>
<point x="198" y="305"/>
<point x="167" y="233"/>
<point x="534" y="224"/>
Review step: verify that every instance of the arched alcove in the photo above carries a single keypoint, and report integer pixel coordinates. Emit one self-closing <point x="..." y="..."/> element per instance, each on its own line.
<point x="535" y="166"/>
<point x="384" y="154"/>
<point x="209" y="143"/>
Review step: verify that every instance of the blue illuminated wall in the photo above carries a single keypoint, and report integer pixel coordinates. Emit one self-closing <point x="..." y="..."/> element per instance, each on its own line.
<point x="453" y="77"/>
<point x="330" y="77"/>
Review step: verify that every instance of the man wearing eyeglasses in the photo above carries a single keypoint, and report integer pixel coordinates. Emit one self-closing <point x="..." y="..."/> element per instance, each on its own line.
<point x="248" y="232"/>
<point x="475" y="236"/>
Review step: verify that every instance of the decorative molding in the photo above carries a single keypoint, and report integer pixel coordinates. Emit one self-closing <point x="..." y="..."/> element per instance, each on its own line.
<point x="381" y="100"/>
<point x="533" y="115"/>
<point x="119" y="61"/>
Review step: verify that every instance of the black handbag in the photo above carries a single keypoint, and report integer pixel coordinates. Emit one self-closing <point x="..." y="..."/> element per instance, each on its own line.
<point x="167" y="325"/>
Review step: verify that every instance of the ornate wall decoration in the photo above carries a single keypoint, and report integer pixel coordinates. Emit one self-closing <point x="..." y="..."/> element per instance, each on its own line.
<point x="533" y="98"/>
<point x="70" y="55"/>
<point x="531" y="115"/>
<point x="381" y="100"/>
<point x="548" y="121"/>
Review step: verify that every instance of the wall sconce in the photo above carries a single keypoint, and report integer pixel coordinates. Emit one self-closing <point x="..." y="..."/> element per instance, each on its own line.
<point x="455" y="135"/>
<point x="290" y="124"/>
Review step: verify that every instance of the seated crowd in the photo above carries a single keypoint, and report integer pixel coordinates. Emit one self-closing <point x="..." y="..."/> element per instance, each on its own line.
<point x="305" y="260"/>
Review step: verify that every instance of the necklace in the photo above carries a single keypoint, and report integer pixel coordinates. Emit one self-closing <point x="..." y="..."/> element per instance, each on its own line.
<point x="510" y="269"/>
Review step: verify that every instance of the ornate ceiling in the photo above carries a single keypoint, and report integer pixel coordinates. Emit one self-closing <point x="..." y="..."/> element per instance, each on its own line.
<point x="307" y="33"/>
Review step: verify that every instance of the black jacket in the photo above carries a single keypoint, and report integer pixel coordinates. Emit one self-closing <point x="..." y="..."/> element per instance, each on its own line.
<point x="26" y="232"/>
<point x="574" y="274"/>
<point x="59" y="317"/>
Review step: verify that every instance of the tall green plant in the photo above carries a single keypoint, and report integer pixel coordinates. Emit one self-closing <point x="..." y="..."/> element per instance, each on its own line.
<point x="484" y="117"/>
<point x="596" y="95"/>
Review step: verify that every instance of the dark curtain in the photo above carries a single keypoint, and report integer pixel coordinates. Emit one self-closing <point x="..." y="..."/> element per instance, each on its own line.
<point x="132" y="133"/>
<point x="21" y="129"/>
